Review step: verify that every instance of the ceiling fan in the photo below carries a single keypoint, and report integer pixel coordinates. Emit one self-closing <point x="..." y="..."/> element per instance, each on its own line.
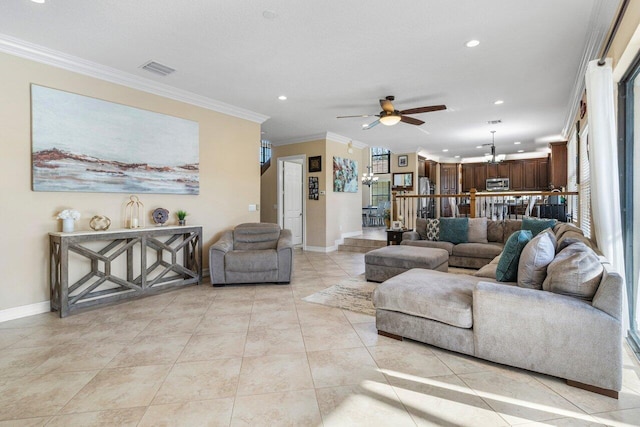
<point x="389" y="116"/>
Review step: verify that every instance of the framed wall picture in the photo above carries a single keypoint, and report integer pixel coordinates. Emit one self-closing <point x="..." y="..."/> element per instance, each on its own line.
<point x="87" y="144"/>
<point x="313" y="188"/>
<point x="315" y="164"/>
<point x="403" y="161"/>
<point x="345" y="175"/>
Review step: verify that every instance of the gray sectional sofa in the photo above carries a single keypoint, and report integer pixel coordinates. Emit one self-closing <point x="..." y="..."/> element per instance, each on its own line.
<point x="569" y="327"/>
<point x="473" y="254"/>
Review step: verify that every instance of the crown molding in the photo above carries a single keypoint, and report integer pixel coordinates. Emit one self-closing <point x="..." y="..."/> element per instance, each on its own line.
<point x="320" y="136"/>
<point x="600" y="21"/>
<point x="23" y="49"/>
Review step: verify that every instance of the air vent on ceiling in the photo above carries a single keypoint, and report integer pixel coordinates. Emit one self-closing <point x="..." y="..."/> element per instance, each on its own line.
<point x="157" y="68"/>
<point x="494" y="122"/>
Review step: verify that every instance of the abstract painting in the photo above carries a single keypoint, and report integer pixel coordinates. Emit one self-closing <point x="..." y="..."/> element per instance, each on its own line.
<point x="345" y="175"/>
<point x="90" y="145"/>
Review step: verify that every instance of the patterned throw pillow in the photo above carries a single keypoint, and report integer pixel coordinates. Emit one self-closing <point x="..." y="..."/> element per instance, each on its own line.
<point x="433" y="229"/>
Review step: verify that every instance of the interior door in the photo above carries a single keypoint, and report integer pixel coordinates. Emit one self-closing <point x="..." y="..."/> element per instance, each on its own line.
<point x="292" y="199"/>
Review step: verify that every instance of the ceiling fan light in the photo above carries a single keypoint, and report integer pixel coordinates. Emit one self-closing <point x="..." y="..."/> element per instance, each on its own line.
<point x="390" y="120"/>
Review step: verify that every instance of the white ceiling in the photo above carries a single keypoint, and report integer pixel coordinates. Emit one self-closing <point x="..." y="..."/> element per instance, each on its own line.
<point x="336" y="57"/>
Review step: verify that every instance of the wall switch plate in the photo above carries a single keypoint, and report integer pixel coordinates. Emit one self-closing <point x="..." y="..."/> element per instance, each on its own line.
<point x="252" y="208"/>
<point x="322" y="192"/>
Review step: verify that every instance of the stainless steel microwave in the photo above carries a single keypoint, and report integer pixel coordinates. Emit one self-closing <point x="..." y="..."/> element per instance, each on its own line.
<point x="498" y="184"/>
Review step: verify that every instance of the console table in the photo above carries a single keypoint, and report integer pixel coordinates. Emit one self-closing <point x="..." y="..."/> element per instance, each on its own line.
<point x="113" y="265"/>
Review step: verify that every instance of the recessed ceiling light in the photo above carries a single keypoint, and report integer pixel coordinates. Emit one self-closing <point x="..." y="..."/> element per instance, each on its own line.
<point x="445" y="150"/>
<point x="38" y="1"/>
<point x="472" y="43"/>
<point x="520" y="151"/>
<point x="269" y="14"/>
<point x="457" y="157"/>
<point x="282" y="98"/>
<point x="517" y="143"/>
<point x="499" y="102"/>
<point x="478" y="146"/>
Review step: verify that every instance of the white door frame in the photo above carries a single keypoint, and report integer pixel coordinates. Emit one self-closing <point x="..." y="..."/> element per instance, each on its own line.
<point x="302" y="158"/>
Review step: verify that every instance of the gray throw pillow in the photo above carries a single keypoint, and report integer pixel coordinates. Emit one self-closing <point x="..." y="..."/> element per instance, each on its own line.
<point x="576" y="271"/>
<point x="454" y="230"/>
<point x="421" y="228"/>
<point x="563" y="227"/>
<point x="507" y="270"/>
<point x="571" y="237"/>
<point x="535" y="257"/>
<point x="495" y="231"/>
<point x="477" y="230"/>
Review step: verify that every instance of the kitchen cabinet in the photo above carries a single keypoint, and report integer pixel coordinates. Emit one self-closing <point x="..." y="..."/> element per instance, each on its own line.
<point x="558" y="164"/>
<point x="448" y="185"/>
<point x="543" y="174"/>
<point x="516" y="174"/>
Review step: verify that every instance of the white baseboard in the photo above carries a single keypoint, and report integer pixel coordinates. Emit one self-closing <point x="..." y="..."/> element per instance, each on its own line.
<point x="24" y="311"/>
<point x="334" y="247"/>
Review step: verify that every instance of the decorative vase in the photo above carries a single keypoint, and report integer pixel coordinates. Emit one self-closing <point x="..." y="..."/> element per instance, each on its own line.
<point x="182" y="222"/>
<point x="387" y="222"/>
<point x="67" y="225"/>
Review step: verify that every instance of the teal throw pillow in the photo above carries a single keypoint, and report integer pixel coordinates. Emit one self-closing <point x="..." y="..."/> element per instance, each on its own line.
<point x="454" y="230"/>
<point x="536" y="225"/>
<point x="507" y="270"/>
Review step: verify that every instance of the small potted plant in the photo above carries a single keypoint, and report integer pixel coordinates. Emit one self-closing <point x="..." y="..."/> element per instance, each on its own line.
<point x="387" y="217"/>
<point x="181" y="217"/>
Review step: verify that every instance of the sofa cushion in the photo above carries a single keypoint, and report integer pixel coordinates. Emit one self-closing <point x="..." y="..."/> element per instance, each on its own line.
<point x="571" y="237"/>
<point x="489" y="270"/>
<point x="536" y="225"/>
<point x="507" y="270"/>
<point x="495" y="231"/>
<point x="421" y="293"/>
<point x="562" y="227"/>
<point x="535" y="257"/>
<point x="421" y="228"/>
<point x="251" y="260"/>
<point x="256" y="236"/>
<point x="576" y="271"/>
<point x="447" y="246"/>
<point x="477" y="250"/>
<point x="510" y="227"/>
<point x="477" y="230"/>
<point x="454" y="230"/>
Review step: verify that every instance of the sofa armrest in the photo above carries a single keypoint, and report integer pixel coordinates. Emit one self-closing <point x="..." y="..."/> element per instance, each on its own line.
<point x="285" y="256"/>
<point x="411" y="235"/>
<point x="549" y="333"/>
<point x="217" y="251"/>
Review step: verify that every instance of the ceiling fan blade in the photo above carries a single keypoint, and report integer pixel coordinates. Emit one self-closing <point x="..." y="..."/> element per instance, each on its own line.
<point x="360" y="115"/>
<point x="370" y="125"/>
<point x="387" y="105"/>
<point x="424" y="109"/>
<point x="411" y="120"/>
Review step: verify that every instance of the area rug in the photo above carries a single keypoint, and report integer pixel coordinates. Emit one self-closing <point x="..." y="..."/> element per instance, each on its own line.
<point x="352" y="294"/>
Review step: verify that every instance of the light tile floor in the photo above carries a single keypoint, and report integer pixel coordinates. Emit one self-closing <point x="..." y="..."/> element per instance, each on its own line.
<point x="258" y="355"/>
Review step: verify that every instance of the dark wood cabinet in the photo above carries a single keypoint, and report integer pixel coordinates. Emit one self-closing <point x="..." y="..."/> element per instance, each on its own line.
<point x="530" y="171"/>
<point x="543" y="174"/>
<point x="468" y="178"/>
<point x="480" y="175"/>
<point x="492" y="170"/>
<point x="504" y="170"/>
<point x="516" y="175"/>
<point x="558" y="164"/>
<point x="448" y="185"/>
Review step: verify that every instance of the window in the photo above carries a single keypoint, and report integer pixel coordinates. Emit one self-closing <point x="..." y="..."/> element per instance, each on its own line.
<point x="380" y="160"/>
<point x="585" y="183"/>
<point x="380" y="192"/>
<point x="265" y="151"/>
<point x="629" y="164"/>
<point x="572" y="176"/>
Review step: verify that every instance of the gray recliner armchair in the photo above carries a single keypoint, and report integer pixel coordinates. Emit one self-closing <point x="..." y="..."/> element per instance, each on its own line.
<point x="252" y="253"/>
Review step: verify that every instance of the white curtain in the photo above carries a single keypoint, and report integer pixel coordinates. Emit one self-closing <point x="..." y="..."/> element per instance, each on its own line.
<point x="603" y="160"/>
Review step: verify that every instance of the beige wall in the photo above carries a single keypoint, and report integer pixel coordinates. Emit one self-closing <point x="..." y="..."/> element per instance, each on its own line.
<point x="229" y="176"/>
<point x="334" y="214"/>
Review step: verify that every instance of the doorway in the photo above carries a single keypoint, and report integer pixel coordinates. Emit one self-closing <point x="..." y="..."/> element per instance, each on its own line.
<point x="291" y="196"/>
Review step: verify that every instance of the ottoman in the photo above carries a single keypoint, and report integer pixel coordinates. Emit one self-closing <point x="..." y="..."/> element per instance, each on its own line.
<point x="384" y="263"/>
